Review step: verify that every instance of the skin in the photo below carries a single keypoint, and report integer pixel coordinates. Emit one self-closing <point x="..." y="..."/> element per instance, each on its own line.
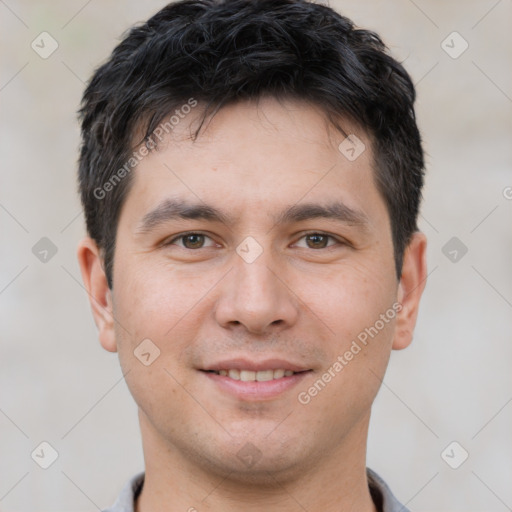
<point x="304" y="299"/>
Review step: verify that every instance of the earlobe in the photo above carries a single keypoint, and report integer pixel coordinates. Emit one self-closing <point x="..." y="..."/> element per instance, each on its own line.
<point x="410" y="289"/>
<point x="100" y="295"/>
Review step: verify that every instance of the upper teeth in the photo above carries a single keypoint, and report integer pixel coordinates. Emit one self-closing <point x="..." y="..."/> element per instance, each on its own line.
<point x="249" y="375"/>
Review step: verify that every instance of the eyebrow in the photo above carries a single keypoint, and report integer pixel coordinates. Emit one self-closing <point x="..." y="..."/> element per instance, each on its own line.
<point x="173" y="209"/>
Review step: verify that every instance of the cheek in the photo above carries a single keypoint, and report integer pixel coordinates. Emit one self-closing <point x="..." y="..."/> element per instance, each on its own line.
<point x="361" y="319"/>
<point x="351" y="299"/>
<point x="165" y="305"/>
<point x="151" y="314"/>
<point x="151" y="298"/>
<point x="356" y="303"/>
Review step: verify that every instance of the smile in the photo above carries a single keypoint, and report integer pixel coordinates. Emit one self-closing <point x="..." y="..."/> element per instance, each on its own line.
<point x="254" y="376"/>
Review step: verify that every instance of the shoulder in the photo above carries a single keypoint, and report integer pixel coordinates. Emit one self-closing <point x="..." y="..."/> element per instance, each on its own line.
<point x="126" y="499"/>
<point x="382" y="495"/>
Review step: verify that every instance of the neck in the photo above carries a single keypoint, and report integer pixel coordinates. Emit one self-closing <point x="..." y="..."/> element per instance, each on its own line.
<point x="174" y="482"/>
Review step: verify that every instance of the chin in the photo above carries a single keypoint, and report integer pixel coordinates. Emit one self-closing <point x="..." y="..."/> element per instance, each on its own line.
<point x="256" y="460"/>
<point x="264" y="472"/>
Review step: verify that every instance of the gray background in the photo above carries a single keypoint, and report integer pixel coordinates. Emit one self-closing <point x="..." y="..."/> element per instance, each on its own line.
<point x="453" y="384"/>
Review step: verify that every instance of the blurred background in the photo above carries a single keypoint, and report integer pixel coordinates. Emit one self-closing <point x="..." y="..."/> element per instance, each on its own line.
<point x="440" y="433"/>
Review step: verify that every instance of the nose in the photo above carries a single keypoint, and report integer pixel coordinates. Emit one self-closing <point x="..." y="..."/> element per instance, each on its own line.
<point x="256" y="296"/>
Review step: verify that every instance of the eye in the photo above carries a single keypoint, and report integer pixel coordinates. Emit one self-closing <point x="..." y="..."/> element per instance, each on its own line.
<point x="190" y="241"/>
<point x="318" y="240"/>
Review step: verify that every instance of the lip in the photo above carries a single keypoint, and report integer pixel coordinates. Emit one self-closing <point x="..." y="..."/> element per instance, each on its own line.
<point x="255" y="366"/>
<point x="254" y="391"/>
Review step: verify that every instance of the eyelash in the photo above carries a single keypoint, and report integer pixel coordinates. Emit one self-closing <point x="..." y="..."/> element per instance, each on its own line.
<point x="184" y="235"/>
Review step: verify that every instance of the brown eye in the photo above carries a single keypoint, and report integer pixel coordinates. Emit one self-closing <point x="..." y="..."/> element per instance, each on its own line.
<point x="317" y="241"/>
<point x="194" y="241"/>
<point x="191" y="241"/>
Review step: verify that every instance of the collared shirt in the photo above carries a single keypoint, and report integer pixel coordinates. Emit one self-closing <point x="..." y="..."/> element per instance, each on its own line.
<point x="380" y="492"/>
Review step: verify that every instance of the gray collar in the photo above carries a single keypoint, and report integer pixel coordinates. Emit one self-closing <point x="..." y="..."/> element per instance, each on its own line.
<point x="381" y="494"/>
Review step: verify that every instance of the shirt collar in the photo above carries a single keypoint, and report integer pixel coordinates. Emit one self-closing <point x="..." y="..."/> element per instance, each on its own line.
<point x="381" y="494"/>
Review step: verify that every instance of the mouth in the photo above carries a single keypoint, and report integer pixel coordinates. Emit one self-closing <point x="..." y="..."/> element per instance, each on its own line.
<point x="255" y="376"/>
<point x="252" y="381"/>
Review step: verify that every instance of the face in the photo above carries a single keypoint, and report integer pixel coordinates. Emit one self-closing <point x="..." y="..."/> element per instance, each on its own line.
<point x="257" y="265"/>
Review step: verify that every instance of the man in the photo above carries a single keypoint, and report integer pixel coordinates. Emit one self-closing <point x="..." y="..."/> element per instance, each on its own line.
<point x="251" y="174"/>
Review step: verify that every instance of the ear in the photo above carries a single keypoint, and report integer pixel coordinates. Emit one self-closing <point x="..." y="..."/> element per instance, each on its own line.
<point x="410" y="289"/>
<point x="100" y="295"/>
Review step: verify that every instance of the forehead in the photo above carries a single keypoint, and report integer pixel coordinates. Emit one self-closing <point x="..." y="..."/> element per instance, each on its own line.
<point x="252" y="154"/>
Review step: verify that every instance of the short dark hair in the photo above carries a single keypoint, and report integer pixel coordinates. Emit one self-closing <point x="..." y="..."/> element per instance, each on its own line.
<point x="219" y="52"/>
